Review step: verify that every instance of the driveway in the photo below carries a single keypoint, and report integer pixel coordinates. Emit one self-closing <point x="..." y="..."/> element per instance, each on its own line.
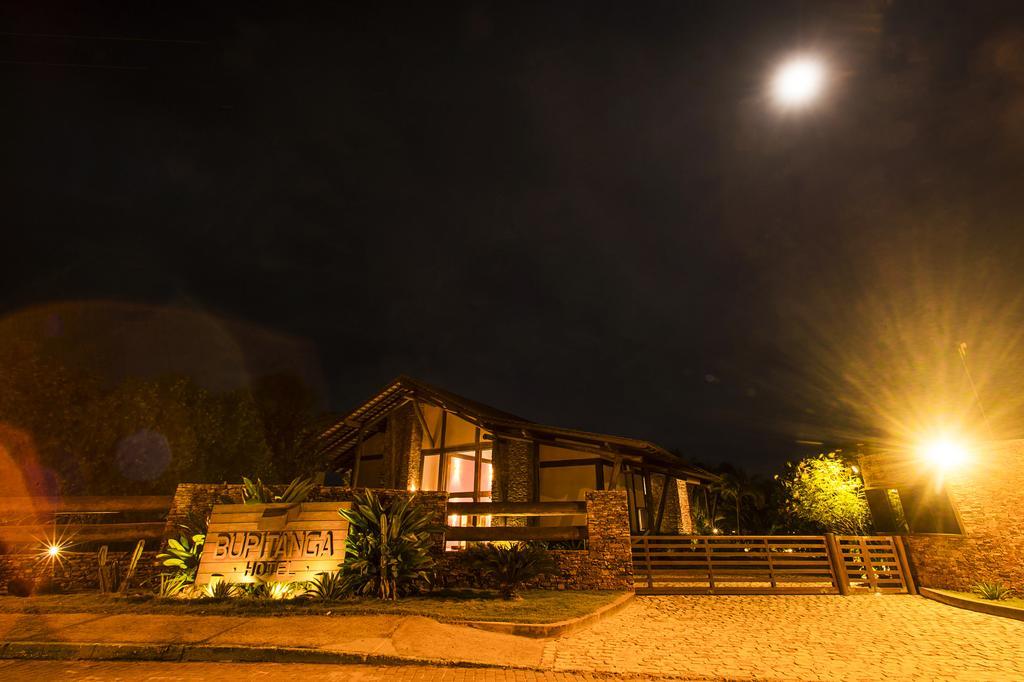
<point x="862" y="637"/>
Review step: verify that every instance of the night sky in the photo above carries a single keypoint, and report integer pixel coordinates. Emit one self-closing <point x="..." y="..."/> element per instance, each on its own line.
<point x="589" y="214"/>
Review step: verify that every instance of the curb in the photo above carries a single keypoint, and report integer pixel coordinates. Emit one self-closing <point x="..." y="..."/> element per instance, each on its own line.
<point x="548" y="630"/>
<point x="993" y="609"/>
<point x="86" y="651"/>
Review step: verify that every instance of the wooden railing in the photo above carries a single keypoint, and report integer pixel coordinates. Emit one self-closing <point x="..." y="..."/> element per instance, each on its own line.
<point x="515" y="509"/>
<point x="768" y="564"/>
<point x="31" y="520"/>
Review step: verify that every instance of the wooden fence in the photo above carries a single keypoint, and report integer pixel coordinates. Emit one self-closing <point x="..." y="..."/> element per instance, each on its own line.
<point x="769" y="564"/>
<point x="31" y="520"/>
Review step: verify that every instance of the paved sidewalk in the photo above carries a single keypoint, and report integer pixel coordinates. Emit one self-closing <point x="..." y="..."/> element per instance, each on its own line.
<point x="861" y="637"/>
<point x="364" y="637"/>
<point x="228" y="672"/>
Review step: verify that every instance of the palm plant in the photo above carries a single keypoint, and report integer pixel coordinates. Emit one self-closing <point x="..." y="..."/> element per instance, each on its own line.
<point x="170" y="586"/>
<point x="219" y="589"/>
<point x="183" y="553"/>
<point x="387" y="553"/>
<point x="511" y="565"/>
<point x="257" y="492"/>
<point x="737" y="489"/>
<point x="326" y="587"/>
<point x="995" y="591"/>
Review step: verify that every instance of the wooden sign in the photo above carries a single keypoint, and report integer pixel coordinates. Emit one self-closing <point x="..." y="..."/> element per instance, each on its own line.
<point x="273" y="542"/>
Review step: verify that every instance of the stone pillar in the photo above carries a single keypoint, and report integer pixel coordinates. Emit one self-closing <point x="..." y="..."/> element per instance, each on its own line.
<point x="610" y="555"/>
<point x="677" y="519"/>
<point x="512" y="479"/>
<point x="402" y="441"/>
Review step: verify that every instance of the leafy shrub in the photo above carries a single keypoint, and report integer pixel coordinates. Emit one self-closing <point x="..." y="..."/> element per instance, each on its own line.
<point x="387" y="553"/>
<point x="19" y="587"/>
<point x="183" y="553"/>
<point x="258" y="493"/>
<point x="511" y="565"/>
<point x="995" y="591"/>
<point x="170" y="586"/>
<point x="326" y="587"/>
<point x="271" y="589"/>
<point x="827" y="493"/>
<point x="221" y="589"/>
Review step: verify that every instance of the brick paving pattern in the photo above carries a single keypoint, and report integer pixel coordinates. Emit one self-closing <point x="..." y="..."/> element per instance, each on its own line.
<point x="864" y="637"/>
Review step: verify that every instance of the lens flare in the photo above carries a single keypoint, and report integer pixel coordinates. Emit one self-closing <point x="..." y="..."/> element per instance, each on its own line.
<point x="798" y="81"/>
<point x="945" y="454"/>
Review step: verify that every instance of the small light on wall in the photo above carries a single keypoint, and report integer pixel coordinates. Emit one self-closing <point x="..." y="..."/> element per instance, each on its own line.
<point x="53" y="550"/>
<point x="855" y="469"/>
<point x="412" y="487"/>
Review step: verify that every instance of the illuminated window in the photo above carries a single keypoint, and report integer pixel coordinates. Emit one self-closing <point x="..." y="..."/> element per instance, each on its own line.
<point x="918" y="509"/>
<point x="461" y="466"/>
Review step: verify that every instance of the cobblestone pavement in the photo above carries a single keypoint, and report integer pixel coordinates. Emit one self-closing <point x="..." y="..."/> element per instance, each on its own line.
<point x="228" y="672"/>
<point x="797" y="638"/>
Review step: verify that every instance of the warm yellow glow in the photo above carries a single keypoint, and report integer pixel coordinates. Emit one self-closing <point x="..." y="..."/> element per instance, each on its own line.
<point x="945" y="454"/>
<point x="412" y="487"/>
<point x="798" y="81"/>
<point x="53" y="550"/>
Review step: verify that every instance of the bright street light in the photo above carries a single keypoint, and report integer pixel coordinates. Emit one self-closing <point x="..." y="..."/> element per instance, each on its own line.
<point x="945" y="454"/>
<point x="798" y="81"/>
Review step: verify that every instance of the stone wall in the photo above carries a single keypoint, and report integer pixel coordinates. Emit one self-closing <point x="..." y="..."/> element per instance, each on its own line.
<point x="988" y="492"/>
<point x="75" y="571"/>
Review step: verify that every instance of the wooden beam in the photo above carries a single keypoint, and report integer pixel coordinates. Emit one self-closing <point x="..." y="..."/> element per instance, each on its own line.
<point x="616" y="472"/>
<point x="80" y="532"/>
<point x="648" y="501"/>
<point x="554" y="464"/>
<point x="485" y="533"/>
<point x="355" y="467"/>
<point x="62" y="505"/>
<point x="517" y="508"/>
<point x="668" y="480"/>
<point x="423" y="422"/>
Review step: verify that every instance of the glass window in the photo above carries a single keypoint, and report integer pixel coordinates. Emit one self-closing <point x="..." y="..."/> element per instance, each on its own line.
<point x="913" y="509"/>
<point x="431" y="464"/>
<point x="928" y="510"/>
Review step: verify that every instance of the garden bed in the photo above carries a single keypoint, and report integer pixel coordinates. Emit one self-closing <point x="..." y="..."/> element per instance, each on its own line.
<point x="536" y="606"/>
<point x="1007" y="608"/>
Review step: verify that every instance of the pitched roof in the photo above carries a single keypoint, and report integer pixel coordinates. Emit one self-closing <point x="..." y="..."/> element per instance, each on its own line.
<point x="338" y="439"/>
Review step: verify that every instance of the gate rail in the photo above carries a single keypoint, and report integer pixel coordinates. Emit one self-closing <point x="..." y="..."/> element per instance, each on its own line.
<point x="769" y="564"/>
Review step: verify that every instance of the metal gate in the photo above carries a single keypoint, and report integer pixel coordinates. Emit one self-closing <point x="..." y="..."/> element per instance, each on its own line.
<point x="769" y="564"/>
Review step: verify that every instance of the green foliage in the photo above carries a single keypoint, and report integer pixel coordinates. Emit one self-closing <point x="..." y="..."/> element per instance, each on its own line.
<point x="387" y="553"/>
<point x="183" y="552"/>
<point x="220" y="589"/>
<point x="272" y="590"/>
<point x="511" y="565"/>
<point x="258" y="493"/>
<point x="69" y="409"/>
<point x="170" y="586"/>
<point x="824" y="492"/>
<point x="326" y="587"/>
<point x="995" y="591"/>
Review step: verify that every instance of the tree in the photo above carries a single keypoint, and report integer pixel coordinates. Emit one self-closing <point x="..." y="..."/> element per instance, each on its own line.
<point x="735" y="488"/>
<point x="824" y="491"/>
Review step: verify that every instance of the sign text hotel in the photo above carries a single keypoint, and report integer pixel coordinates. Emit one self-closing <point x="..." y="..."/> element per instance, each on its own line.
<point x="282" y="542"/>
